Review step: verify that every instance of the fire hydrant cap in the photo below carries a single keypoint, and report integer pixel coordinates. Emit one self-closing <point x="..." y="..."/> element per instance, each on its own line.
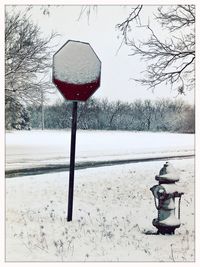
<point x="167" y="174"/>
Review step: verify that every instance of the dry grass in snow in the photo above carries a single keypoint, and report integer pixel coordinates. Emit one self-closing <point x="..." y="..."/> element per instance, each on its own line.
<point x="112" y="219"/>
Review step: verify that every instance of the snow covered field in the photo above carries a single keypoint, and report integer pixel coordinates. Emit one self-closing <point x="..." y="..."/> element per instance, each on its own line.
<point x="112" y="220"/>
<point x="39" y="148"/>
<point x="113" y="206"/>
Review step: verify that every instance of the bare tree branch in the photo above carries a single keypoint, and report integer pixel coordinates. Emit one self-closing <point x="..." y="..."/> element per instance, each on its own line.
<point x="177" y="17"/>
<point x="124" y="27"/>
<point x="87" y="10"/>
<point x="169" y="61"/>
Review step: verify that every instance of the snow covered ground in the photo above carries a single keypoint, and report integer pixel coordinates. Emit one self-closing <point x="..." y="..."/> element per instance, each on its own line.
<point x="113" y="212"/>
<point x="39" y="148"/>
<point x="113" y="206"/>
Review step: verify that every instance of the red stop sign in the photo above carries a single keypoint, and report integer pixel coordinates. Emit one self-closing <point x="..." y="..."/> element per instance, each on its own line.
<point x="76" y="70"/>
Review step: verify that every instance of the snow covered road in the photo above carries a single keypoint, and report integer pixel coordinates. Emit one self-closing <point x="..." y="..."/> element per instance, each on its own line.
<point x="27" y="149"/>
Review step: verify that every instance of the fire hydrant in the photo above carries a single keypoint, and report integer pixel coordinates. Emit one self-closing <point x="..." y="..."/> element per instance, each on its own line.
<point x="164" y="196"/>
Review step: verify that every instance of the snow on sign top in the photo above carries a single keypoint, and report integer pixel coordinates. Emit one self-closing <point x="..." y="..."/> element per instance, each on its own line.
<point x="76" y="63"/>
<point x="76" y="71"/>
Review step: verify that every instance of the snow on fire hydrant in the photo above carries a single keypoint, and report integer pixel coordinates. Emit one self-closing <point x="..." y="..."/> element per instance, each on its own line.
<point x="165" y="194"/>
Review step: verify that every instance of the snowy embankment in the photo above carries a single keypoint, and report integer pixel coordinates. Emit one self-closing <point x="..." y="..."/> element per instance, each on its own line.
<point x="26" y="149"/>
<point x="112" y="220"/>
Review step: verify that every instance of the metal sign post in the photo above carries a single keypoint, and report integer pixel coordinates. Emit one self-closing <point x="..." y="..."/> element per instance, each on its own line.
<point x="72" y="161"/>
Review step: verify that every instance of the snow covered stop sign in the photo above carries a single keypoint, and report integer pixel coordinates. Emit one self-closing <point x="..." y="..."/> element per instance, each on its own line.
<point x="76" y="73"/>
<point x="76" y="70"/>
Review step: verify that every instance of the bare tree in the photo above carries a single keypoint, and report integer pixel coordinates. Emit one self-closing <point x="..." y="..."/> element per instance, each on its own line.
<point x="27" y="60"/>
<point x="116" y="108"/>
<point x="148" y="112"/>
<point x="169" y="60"/>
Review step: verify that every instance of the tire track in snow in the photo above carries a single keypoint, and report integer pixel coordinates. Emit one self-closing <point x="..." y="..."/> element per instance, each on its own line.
<point x="83" y="165"/>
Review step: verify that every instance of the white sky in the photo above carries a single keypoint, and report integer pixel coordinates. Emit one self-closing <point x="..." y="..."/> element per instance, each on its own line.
<point x="118" y="69"/>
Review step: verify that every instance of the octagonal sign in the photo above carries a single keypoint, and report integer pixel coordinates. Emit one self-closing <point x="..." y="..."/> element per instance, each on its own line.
<point x="76" y="70"/>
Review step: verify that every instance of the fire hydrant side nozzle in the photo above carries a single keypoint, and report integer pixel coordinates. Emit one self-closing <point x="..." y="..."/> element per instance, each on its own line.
<point x="164" y="196"/>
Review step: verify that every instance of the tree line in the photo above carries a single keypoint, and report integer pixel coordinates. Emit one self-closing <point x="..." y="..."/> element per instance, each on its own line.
<point x="160" y="115"/>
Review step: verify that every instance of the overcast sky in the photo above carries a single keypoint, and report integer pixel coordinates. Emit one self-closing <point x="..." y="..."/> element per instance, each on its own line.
<point x="118" y="69"/>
